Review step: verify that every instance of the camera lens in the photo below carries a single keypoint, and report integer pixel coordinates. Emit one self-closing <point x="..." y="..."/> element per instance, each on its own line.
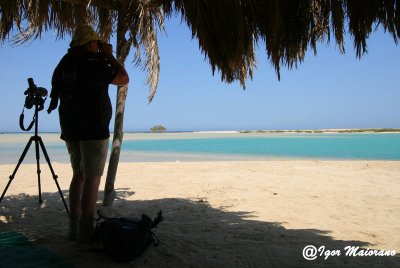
<point x="28" y="102"/>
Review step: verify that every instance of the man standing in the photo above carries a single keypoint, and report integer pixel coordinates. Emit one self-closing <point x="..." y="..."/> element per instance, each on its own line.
<point x="80" y="81"/>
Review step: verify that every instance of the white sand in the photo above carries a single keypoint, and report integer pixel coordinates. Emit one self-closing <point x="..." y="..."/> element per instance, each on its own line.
<point x="227" y="214"/>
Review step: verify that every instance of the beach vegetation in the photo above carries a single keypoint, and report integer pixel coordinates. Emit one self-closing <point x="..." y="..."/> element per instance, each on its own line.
<point x="373" y="130"/>
<point x="319" y="131"/>
<point x="158" y="129"/>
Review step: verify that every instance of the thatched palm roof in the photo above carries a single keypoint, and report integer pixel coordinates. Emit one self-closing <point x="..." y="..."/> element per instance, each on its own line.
<point x="227" y="30"/>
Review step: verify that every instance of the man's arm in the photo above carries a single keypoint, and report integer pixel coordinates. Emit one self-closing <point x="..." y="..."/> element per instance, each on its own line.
<point x="122" y="77"/>
<point x="54" y="91"/>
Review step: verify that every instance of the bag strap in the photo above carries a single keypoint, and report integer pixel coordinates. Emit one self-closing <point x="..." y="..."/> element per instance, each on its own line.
<point x="21" y="121"/>
<point x="157" y="220"/>
<point x="102" y="215"/>
<point x="153" y="224"/>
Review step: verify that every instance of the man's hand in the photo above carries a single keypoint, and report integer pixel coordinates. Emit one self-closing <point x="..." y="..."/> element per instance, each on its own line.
<point x="122" y="77"/>
<point x="106" y="48"/>
<point x="53" y="105"/>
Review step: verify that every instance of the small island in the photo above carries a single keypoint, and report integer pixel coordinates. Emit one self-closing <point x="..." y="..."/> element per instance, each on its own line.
<point x="158" y="129"/>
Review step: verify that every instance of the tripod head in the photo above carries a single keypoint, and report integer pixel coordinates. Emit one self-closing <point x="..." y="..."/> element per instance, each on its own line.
<point x="35" y="96"/>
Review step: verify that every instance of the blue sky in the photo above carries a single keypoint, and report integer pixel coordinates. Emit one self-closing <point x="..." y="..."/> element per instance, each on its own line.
<point x="329" y="90"/>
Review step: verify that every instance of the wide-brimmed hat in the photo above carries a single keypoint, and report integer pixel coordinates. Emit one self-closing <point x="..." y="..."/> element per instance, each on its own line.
<point x="83" y="35"/>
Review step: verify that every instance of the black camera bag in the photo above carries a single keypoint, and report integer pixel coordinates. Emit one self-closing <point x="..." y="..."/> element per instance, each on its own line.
<point x="125" y="238"/>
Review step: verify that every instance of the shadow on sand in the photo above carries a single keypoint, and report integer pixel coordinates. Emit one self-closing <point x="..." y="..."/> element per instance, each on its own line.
<point x="194" y="234"/>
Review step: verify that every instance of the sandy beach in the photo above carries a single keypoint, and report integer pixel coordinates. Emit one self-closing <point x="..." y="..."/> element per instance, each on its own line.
<point x="227" y="213"/>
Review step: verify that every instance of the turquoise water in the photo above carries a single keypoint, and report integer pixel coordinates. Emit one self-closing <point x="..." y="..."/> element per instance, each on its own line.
<point x="200" y="147"/>
<point x="321" y="146"/>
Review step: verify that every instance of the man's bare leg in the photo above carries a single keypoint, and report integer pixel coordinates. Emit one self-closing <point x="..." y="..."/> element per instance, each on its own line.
<point x="75" y="194"/>
<point x="88" y="206"/>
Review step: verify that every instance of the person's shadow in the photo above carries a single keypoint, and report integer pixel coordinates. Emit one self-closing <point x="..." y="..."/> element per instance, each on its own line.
<point x="193" y="234"/>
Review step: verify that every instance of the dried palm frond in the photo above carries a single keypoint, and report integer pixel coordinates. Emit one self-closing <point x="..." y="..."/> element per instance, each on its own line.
<point x="227" y="30"/>
<point x="145" y="22"/>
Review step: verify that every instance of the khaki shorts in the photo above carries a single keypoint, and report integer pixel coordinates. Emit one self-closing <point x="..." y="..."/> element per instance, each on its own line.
<point x="88" y="157"/>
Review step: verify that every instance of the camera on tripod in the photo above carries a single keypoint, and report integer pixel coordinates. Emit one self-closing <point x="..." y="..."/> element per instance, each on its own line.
<point x="35" y="95"/>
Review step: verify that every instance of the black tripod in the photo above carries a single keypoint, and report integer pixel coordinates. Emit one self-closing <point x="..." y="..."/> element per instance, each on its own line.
<point x="38" y="141"/>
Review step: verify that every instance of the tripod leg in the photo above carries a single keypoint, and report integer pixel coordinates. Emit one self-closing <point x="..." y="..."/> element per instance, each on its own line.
<point x="16" y="168"/>
<point x="52" y="172"/>
<point x="38" y="168"/>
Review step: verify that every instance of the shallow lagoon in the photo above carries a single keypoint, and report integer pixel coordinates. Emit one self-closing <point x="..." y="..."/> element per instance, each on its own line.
<point x="210" y="146"/>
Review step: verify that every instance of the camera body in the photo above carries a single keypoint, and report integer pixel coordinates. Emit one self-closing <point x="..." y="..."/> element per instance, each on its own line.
<point x="35" y="95"/>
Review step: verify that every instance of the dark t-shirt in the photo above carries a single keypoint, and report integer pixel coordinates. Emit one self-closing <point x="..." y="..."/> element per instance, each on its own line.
<point x="81" y="82"/>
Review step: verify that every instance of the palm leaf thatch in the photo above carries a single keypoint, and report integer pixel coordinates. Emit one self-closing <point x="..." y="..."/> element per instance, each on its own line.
<point x="227" y="30"/>
<point x="137" y="22"/>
